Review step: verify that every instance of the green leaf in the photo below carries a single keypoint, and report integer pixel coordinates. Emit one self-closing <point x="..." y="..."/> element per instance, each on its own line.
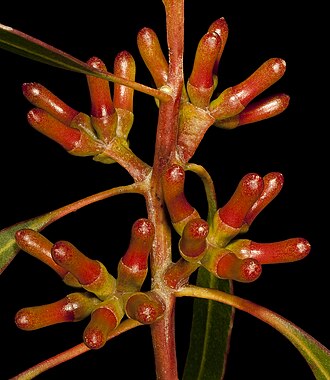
<point x="22" y="44"/>
<point x="210" y="333"/>
<point x="316" y="355"/>
<point x="27" y="46"/>
<point x="8" y="246"/>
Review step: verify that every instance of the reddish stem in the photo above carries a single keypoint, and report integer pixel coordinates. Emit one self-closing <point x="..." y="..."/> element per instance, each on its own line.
<point x="168" y="122"/>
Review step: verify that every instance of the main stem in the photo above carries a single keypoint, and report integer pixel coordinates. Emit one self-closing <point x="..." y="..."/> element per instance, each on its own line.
<point x="163" y="332"/>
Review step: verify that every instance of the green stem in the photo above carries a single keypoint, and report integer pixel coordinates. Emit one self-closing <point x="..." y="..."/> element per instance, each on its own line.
<point x="209" y="188"/>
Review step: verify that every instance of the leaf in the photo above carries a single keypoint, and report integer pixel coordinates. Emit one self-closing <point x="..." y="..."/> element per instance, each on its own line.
<point x="27" y="46"/>
<point x="22" y="44"/>
<point x="316" y="355"/>
<point x="210" y="333"/>
<point x="8" y="246"/>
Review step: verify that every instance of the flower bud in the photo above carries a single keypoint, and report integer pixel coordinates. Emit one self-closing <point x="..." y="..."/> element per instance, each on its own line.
<point x="104" y="118"/>
<point x="133" y="266"/>
<point x="257" y="111"/>
<point x="42" y="98"/>
<point x="234" y="99"/>
<point x="284" y="251"/>
<point x="193" y="242"/>
<point x="38" y="246"/>
<point x="124" y="67"/>
<point x="200" y="85"/>
<point x="145" y="308"/>
<point x="273" y="184"/>
<point x="178" y="207"/>
<point x="226" y="265"/>
<point x="220" y="27"/>
<point x="246" y="270"/>
<point x="152" y="55"/>
<point x="43" y="122"/>
<point x="91" y="274"/>
<point x="72" y="308"/>
<point x="245" y="195"/>
<point x="104" y="319"/>
<point x="229" y="219"/>
<point x="71" y="139"/>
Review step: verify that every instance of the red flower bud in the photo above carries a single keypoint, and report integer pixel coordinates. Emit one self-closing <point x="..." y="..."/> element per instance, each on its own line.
<point x="124" y="67"/>
<point x="35" y="244"/>
<point x="193" y="242"/>
<point x="220" y="27"/>
<point x="200" y="85"/>
<point x="104" y="118"/>
<point x="42" y="98"/>
<point x="257" y="111"/>
<point x="74" y="307"/>
<point x="38" y="246"/>
<point x="133" y="266"/>
<point x="103" y="320"/>
<point x="91" y="274"/>
<point x="273" y="184"/>
<point x="226" y="265"/>
<point x="78" y="139"/>
<point x="152" y="55"/>
<point x="142" y="236"/>
<point x="43" y="122"/>
<point x="99" y="90"/>
<point x="234" y="99"/>
<point x="206" y="55"/>
<point x="228" y="220"/>
<point x="178" y="207"/>
<point x="246" y="270"/>
<point x="271" y="253"/>
<point x="247" y="192"/>
<point x="146" y="307"/>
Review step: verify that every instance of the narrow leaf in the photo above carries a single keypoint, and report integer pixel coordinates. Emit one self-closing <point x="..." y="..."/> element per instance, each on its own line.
<point x="27" y="46"/>
<point x="8" y="246"/>
<point x="316" y="354"/>
<point x="210" y="333"/>
<point x="22" y="44"/>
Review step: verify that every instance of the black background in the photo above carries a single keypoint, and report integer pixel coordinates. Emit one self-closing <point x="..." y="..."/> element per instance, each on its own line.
<point x="38" y="176"/>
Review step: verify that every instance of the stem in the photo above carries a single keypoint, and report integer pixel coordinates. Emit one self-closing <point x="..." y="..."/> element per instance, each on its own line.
<point x="73" y="352"/>
<point x="162" y="332"/>
<point x="72" y="207"/>
<point x="127" y="159"/>
<point x="209" y="188"/>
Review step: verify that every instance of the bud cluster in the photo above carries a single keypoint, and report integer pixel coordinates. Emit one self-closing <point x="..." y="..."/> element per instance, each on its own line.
<point x="214" y="244"/>
<point x="106" y="299"/>
<point x="82" y="135"/>
<point x="201" y="106"/>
